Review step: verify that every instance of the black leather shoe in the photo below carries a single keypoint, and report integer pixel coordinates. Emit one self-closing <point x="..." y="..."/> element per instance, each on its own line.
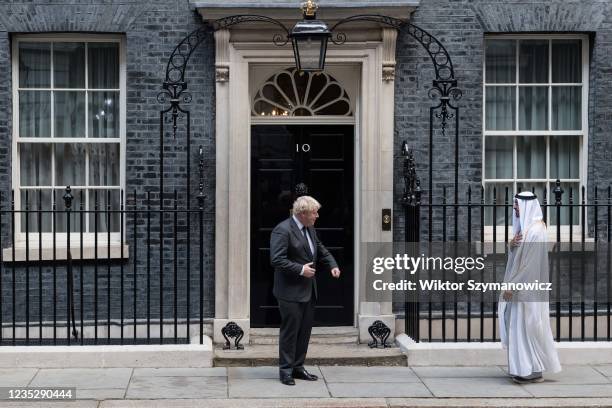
<point x="287" y="380"/>
<point x="302" y="374"/>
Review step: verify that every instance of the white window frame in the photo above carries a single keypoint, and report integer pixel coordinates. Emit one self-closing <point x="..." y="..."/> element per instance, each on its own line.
<point x="61" y="237"/>
<point x="584" y="133"/>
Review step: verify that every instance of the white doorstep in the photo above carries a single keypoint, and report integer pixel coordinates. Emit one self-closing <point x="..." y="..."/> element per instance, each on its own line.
<point x="170" y="355"/>
<point x="485" y="354"/>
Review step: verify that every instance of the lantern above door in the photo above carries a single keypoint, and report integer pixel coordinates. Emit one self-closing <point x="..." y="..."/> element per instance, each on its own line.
<point x="309" y="40"/>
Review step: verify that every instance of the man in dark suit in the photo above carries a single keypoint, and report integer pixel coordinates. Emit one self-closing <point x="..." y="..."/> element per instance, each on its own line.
<point x="294" y="251"/>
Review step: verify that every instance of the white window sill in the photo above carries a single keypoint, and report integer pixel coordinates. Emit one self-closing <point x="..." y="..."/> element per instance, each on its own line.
<point x="551" y="234"/>
<point x="46" y="252"/>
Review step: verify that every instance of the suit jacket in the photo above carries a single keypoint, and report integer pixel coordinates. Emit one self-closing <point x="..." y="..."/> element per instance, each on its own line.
<point x="289" y="251"/>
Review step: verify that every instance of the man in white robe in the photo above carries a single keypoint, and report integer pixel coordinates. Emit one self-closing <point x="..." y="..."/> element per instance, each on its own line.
<point x="524" y="317"/>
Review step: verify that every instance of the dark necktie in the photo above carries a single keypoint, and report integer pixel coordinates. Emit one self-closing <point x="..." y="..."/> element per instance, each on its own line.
<point x="306" y="237"/>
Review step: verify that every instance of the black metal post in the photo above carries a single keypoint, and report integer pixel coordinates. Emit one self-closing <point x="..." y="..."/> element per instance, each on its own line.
<point x="558" y="192"/>
<point x="411" y="201"/>
<point x="201" y="197"/>
<point x="571" y="266"/>
<point x="68" y="197"/>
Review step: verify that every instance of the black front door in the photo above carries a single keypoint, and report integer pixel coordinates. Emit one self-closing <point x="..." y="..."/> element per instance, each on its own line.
<point x="321" y="158"/>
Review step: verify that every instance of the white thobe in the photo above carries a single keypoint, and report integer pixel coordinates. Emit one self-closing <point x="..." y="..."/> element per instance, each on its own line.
<point x="525" y="325"/>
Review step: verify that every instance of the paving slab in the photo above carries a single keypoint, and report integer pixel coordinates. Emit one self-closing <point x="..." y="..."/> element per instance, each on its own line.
<point x="272" y="388"/>
<point x="86" y="378"/>
<point x="16" y="377"/>
<point x="250" y="403"/>
<point x="100" y="393"/>
<point x="262" y="372"/>
<point x="499" y="402"/>
<point x="177" y="387"/>
<point x="577" y="375"/>
<point x="180" y="372"/>
<point x="460" y="372"/>
<point x="605" y="369"/>
<point x="375" y="390"/>
<point x="474" y="387"/>
<point x="52" y="404"/>
<point x="545" y="389"/>
<point x="343" y="374"/>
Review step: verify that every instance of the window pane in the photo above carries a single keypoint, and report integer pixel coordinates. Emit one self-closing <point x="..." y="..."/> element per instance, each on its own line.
<point x="533" y="108"/>
<point x="61" y="218"/>
<point x="564" y="157"/>
<point x="69" y="114"/>
<point x="69" y="164"/>
<point x="500" y="200"/>
<point x="103" y="62"/>
<point x="500" y="61"/>
<point x="100" y="196"/>
<point x="566" y="108"/>
<point x="34" y="114"/>
<point x="104" y="164"/>
<point x="533" y="61"/>
<point x="500" y="108"/>
<point x="567" y="61"/>
<point x="69" y="65"/>
<point x="498" y="157"/>
<point x="271" y="93"/>
<point x="572" y="189"/>
<point x="531" y="157"/>
<point x="37" y="199"/>
<point x="34" y="65"/>
<point x="104" y="114"/>
<point x="35" y="164"/>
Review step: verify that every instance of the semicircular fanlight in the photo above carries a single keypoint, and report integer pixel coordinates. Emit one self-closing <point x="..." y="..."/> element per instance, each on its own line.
<point x="291" y="93"/>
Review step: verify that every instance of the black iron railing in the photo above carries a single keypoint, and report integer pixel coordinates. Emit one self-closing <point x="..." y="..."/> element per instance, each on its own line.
<point x="123" y="275"/>
<point x="579" y="233"/>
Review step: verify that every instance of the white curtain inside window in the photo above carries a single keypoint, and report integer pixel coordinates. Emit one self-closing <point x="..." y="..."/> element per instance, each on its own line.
<point x="567" y="61"/>
<point x="564" y="157"/>
<point x="103" y="60"/>
<point x="34" y="65"/>
<point x="531" y="157"/>
<point x="35" y="164"/>
<point x="500" y="108"/>
<point x="497" y="191"/>
<point x="533" y="61"/>
<point x="498" y="157"/>
<point x="69" y="113"/>
<point x="69" y="164"/>
<point x="567" y="108"/>
<point x="103" y="114"/>
<point x="533" y="108"/>
<point x="34" y="114"/>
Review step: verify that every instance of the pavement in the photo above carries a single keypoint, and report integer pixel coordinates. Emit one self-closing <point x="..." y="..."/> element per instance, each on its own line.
<point x="338" y="386"/>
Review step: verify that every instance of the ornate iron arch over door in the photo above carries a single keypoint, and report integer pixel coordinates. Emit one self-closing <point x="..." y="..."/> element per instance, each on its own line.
<point x="444" y="88"/>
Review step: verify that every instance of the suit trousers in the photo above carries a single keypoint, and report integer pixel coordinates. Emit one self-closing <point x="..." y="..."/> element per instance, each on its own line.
<point x="294" y="334"/>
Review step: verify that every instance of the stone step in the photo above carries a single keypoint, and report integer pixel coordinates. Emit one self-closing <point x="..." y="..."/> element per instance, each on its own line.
<point x="320" y="335"/>
<point x="313" y="339"/>
<point x="318" y="354"/>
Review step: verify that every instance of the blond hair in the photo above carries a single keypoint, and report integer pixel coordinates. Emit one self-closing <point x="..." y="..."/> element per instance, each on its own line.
<point x="305" y="204"/>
